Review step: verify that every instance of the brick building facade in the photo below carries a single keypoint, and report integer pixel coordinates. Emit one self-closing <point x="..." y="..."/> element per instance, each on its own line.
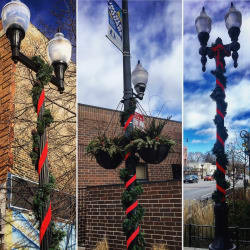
<point x="17" y="119"/>
<point x="100" y="212"/>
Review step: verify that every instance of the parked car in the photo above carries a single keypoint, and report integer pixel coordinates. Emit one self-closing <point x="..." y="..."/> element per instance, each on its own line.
<point x="239" y="177"/>
<point x="196" y="177"/>
<point x="208" y="178"/>
<point x="191" y="179"/>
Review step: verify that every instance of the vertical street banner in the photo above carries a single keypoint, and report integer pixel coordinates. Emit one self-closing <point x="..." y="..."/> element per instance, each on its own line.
<point x="115" y="24"/>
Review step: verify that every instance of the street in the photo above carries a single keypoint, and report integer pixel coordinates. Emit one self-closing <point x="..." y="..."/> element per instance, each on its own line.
<point x="198" y="191"/>
<point x="202" y="189"/>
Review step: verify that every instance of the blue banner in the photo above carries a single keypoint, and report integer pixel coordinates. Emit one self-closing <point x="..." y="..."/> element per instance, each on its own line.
<point x="115" y="24"/>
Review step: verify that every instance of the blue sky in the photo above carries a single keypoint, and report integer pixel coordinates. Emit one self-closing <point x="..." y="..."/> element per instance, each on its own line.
<point x="155" y="39"/>
<point x="199" y="108"/>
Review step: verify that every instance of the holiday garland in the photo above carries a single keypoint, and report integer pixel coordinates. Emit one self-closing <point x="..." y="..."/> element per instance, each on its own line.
<point x="218" y="95"/>
<point x="41" y="198"/>
<point x="134" y="211"/>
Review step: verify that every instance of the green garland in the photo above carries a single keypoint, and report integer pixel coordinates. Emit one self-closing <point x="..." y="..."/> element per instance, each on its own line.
<point x="219" y="177"/>
<point x="130" y="224"/>
<point x="41" y="198"/>
<point x="150" y="137"/>
<point x="112" y="146"/>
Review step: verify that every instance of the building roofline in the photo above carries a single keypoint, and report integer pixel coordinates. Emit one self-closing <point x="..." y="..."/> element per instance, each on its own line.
<point x="92" y="106"/>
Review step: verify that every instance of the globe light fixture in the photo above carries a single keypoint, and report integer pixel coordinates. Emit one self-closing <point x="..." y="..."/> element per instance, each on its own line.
<point x="15" y="19"/>
<point x="139" y="79"/>
<point x="233" y="21"/>
<point x="59" y="53"/>
<point x="203" y="24"/>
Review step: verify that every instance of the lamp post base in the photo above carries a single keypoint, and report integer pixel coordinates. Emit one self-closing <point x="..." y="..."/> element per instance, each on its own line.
<point x="222" y="244"/>
<point x="222" y="240"/>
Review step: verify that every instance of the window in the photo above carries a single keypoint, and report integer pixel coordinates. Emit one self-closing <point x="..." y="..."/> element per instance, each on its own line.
<point x="177" y="171"/>
<point x="21" y="194"/>
<point x="142" y="172"/>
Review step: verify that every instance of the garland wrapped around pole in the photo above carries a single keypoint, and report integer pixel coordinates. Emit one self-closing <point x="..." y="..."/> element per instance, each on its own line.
<point x="50" y="237"/>
<point x="218" y="95"/>
<point x="221" y="241"/>
<point x="134" y="211"/>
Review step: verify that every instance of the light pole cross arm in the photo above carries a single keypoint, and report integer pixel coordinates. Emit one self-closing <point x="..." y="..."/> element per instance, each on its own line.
<point x="33" y="66"/>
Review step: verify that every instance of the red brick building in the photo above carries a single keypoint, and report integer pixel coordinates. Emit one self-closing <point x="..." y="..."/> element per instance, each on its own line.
<point x="100" y="210"/>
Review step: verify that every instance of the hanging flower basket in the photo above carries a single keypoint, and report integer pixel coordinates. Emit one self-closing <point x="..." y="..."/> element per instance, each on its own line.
<point x="108" y="162"/>
<point x="152" y="147"/>
<point x="108" y="152"/>
<point x="154" y="156"/>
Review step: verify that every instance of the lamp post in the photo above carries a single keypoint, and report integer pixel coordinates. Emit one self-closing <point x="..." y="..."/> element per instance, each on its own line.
<point x="139" y="78"/>
<point x="15" y="20"/>
<point x="246" y="136"/>
<point x="202" y="171"/>
<point x="219" y="51"/>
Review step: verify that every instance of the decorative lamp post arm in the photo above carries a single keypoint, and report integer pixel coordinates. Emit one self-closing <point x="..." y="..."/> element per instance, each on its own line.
<point x="26" y="61"/>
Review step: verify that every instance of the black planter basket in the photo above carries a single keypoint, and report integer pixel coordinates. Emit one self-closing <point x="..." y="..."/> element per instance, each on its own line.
<point x="152" y="156"/>
<point x="107" y="162"/>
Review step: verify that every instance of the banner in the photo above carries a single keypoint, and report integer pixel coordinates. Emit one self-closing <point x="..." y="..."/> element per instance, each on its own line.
<point x="138" y="121"/>
<point x="115" y="24"/>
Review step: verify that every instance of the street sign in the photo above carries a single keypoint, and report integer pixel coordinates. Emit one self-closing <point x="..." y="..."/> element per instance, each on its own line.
<point x="115" y="24"/>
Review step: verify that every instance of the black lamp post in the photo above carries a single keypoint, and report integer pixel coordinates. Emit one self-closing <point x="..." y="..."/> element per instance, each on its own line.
<point x="139" y="79"/>
<point x="219" y="51"/>
<point x="15" y="20"/>
<point x="246" y="136"/>
<point x="202" y="171"/>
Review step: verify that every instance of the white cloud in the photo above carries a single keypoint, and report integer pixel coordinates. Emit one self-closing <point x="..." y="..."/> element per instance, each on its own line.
<point x="197" y="141"/>
<point x="100" y="75"/>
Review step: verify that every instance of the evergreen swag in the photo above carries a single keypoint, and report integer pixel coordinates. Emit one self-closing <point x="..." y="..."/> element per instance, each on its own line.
<point x="43" y="76"/>
<point x="149" y="137"/>
<point x="131" y="223"/>
<point x="112" y="146"/>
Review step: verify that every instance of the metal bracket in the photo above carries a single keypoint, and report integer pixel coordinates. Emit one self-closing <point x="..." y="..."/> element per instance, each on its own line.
<point x="34" y="67"/>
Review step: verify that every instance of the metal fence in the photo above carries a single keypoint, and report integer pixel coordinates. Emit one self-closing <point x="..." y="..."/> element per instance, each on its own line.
<point x="200" y="236"/>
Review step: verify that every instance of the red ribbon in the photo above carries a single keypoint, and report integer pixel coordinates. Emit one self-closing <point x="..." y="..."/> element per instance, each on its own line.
<point x="217" y="49"/>
<point x="132" y="207"/>
<point x="130" y="181"/>
<point x="45" y="223"/>
<point x="220" y="140"/>
<point x="40" y="102"/>
<point x="219" y="112"/>
<point x="132" y="237"/>
<point x="42" y="158"/>
<point x="127" y="155"/>
<point x="128" y="121"/>
<point x="222" y="190"/>
<point x="220" y="84"/>
<point x="220" y="168"/>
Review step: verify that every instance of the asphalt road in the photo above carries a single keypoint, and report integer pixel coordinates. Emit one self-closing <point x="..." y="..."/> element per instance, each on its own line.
<point x="200" y="190"/>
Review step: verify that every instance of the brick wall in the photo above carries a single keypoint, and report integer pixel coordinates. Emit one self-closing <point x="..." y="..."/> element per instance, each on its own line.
<point x="7" y="90"/>
<point x="103" y="215"/>
<point x="93" y="120"/>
